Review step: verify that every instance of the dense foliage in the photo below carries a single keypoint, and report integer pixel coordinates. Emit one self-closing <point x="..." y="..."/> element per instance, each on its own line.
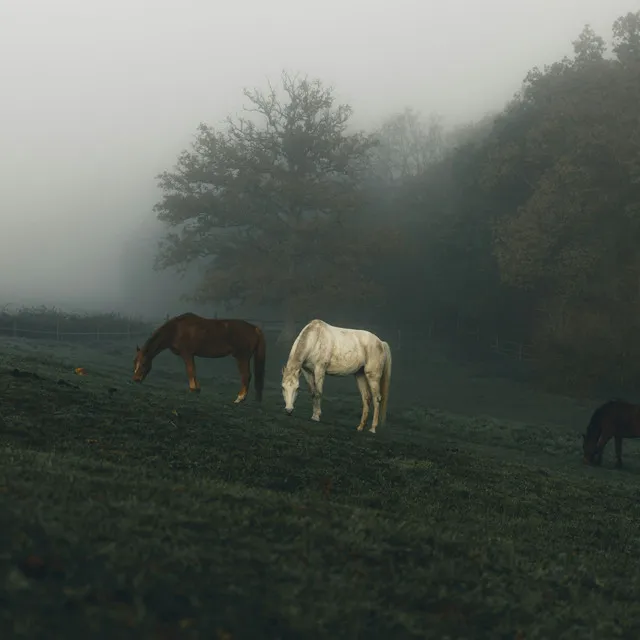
<point x="543" y="217"/>
<point x="525" y="222"/>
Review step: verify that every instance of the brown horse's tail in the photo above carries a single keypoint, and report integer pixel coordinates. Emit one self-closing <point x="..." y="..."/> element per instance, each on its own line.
<point x="259" y="360"/>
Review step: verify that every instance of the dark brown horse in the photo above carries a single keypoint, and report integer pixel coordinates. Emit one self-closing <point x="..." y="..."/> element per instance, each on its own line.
<point x="616" y="419"/>
<point x="190" y="335"/>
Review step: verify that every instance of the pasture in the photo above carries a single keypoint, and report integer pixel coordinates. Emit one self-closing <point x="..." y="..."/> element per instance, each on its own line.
<point x="144" y="511"/>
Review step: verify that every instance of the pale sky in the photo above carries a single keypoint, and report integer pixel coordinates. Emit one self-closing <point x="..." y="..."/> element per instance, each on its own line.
<point x="97" y="97"/>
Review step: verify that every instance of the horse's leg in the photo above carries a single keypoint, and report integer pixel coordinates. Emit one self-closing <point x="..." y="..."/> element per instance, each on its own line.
<point x="618" y="440"/>
<point x="191" y="373"/>
<point x="310" y="381"/>
<point x="317" y="396"/>
<point x="245" y="375"/>
<point x="604" y="438"/>
<point x="363" y="386"/>
<point x="373" y="378"/>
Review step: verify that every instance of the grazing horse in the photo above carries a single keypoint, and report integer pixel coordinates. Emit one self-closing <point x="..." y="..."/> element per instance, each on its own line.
<point x="321" y="348"/>
<point x="190" y="335"/>
<point x="616" y="419"/>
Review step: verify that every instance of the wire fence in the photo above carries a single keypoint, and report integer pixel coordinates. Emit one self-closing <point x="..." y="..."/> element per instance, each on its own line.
<point x="402" y="339"/>
<point x="512" y="349"/>
<point x="17" y="331"/>
<point x="472" y="334"/>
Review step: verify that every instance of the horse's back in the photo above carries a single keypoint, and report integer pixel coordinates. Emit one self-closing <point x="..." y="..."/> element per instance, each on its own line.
<point x="368" y="340"/>
<point x="221" y="324"/>
<point x="215" y="337"/>
<point x="344" y="350"/>
<point x="617" y="414"/>
<point x="188" y="315"/>
<point x="362" y="334"/>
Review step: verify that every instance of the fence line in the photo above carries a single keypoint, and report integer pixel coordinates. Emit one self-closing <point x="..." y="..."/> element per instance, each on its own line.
<point x="17" y="331"/>
<point x="507" y="348"/>
<point x="74" y="333"/>
<point x="511" y="348"/>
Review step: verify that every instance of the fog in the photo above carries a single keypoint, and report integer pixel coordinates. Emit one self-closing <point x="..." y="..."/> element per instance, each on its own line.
<point x="99" y="97"/>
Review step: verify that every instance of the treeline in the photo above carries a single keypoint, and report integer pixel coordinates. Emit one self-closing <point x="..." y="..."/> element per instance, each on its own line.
<point x="527" y="222"/>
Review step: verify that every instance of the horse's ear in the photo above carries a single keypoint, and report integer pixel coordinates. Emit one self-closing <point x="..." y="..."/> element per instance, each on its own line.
<point x="137" y="348"/>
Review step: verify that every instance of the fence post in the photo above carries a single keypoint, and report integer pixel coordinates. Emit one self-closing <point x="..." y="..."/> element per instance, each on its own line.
<point x="57" y="329"/>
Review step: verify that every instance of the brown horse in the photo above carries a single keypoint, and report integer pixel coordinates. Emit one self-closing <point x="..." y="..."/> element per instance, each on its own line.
<point x="615" y="419"/>
<point x="190" y="335"/>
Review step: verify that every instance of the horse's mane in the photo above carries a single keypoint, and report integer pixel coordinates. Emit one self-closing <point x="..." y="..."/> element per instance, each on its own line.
<point x="299" y="344"/>
<point x="157" y="335"/>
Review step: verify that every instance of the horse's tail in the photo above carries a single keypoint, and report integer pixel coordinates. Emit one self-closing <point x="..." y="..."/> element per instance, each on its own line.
<point x="259" y="360"/>
<point x="385" y="382"/>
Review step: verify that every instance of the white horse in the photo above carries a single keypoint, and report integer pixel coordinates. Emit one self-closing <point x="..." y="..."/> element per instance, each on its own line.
<point x="321" y="349"/>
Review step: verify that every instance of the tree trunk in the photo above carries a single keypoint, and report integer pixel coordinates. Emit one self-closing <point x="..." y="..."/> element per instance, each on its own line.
<point x="288" y="333"/>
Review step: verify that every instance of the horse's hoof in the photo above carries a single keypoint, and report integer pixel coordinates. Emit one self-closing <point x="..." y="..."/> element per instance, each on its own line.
<point x="194" y="390"/>
<point x="315" y="418"/>
<point x="372" y="430"/>
<point x="239" y="399"/>
<point x="360" y="427"/>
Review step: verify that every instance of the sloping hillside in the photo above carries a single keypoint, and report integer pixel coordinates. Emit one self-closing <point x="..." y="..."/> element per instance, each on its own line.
<point x="145" y="511"/>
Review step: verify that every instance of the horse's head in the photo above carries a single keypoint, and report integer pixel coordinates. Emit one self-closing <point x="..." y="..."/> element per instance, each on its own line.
<point x="589" y="447"/>
<point x="141" y="365"/>
<point x="290" y="385"/>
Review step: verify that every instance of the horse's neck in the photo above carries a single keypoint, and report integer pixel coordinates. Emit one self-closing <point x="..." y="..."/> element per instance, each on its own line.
<point x="156" y="343"/>
<point x="294" y="365"/>
<point x="297" y="357"/>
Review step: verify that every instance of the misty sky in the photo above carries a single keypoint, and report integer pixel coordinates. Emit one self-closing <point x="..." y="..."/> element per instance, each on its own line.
<point x="99" y="96"/>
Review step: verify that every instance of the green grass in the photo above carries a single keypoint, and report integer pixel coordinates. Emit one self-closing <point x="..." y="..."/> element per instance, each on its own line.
<point x="137" y="511"/>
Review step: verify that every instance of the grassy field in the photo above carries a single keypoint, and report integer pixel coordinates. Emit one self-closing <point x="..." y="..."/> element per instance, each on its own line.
<point x="143" y="511"/>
